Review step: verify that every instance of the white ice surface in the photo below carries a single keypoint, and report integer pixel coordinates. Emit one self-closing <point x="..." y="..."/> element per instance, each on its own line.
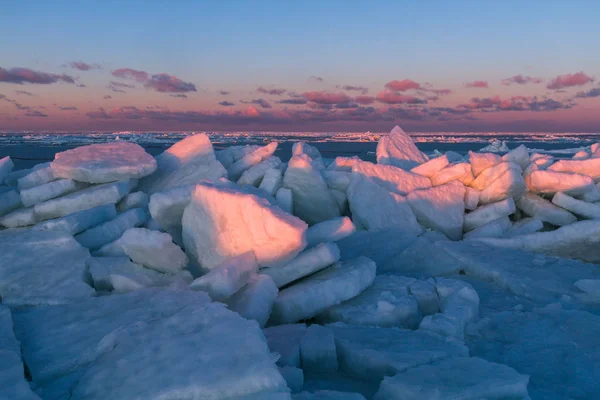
<point x="519" y="156"/>
<point x="255" y="300"/>
<point x="153" y="249"/>
<point x="42" y="268"/>
<point x="50" y="190"/>
<point x="398" y="149"/>
<point x="312" y="199"/>
<point x="38" y="175"/>
<point x="221" y="222"/>
<point x="589" y="167"/>
<point x="327" y="288"/>
<point x="471" y="198"/>
<point x="285" y="340"/>
<point x="109" y="193"/>
<point x="307" y="262"/>
<point x="338" y="180"/>
<point x="19" y="218"/>
<point x="385" y="303"/>
<point x="494" y="228"/>
<point x="227" y="278"/>
<point x="391" y="178"/>
<point x="577" y="207"/>
<point x="79" y="221"/>
<point x="232" y="154"/>
<point x="459" y="378"/>
<point x="103" y="162"/>
<point x="431" y="167"/>
<point x="545" y="211"/>
<point x="285" y="200"/>
<point x="490" y="212"/>
<point x="271" y="181"/>
<point x="441" y="208"/>
<point x="109" y="231"/>
<point x="343" y="163"/>
<point x="490" y="174"/>
<point x="9" y="201"/>
<point x="460" y="172"/>
<point x="482" y="161"/>
<point x="254" y="175"/>
<point x="329" y="231"/>
<point x="133" y="200"/>
<point x="525" y="226"/>
<point x="235" y="170"/>
<point x="187" y="162"/>
<point x="317" y="350"/>
<point x="6" y="167"/>
<point x="509" y="184"/>
<point x="151" y="343"/>
<point x="550" y="182"/>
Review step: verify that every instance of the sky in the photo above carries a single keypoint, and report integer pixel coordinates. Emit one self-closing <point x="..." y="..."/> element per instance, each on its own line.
<point x="320" y="66"/>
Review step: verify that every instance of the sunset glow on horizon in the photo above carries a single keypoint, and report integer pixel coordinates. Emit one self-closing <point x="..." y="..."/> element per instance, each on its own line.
<point x="300" y="66"/>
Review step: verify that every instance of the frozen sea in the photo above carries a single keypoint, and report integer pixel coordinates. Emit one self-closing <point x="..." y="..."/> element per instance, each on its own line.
<point x="28" y="149"/>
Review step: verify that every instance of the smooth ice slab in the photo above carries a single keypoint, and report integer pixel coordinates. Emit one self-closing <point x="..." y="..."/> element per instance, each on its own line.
<point x="235" y="170"/>
<point x="309" y="261"/>
<point x="545" y="211"/>
<point x="519" y="156"/>
<point x="50" y="190"/>
<point x="398" y="149"/>
<point x="6" y="167"/>
<point x="153" y="249"/>
<point x="343" y="163"/>
<point x="79" y="221"/>
<point x="375" y="208"/>
<point x="525" y="226"/>
<point x="489" y="175"/>
<point x="456" y="172"/>
<point x="146" y="344"/>
<point x="42" y="268"/>
<point x="19" y="218"/>
<point x="120" y="275"/>
<point x="441" y="208"/>
<point x="104" y="162"/>
<point x="285" y="200"/>
<point x="482" y="161"/>
<point x="133" y="200"/>
<point x="317" y="349"/>
<point x="371" y="353"/>
<point x="509" y="185"/>
<point x="13" y="385"/>
<point x="167" y="208"/>
<point x="322" y="290"/>
<point x="271" y="181"/>
<point x="109" y="231"/>
<point x="455" y="378"/>
<point x="10" y="200"/>
<point x="471" y="198"/>
<point x="38" y="175"/>
<point x="254" y="175"/>
<point x="109" y="193"/>
<point x="338" y="180"/>
<point x="222" y="222"/>
<point x="488" y="213"/>
<point x="285" y="340"/>
<point x="550" y="182"/>
<point x="330" y="231"/>
<point x="187" y="162"/>
<point x="232" y="154"/>
<point x="577" y="207"/>
<point x="589" y="167"/>
<point x="313" y="202"/>
<point x="494" y="228"/>
<point x="385" y="303"/>
<point x="227" y="278"/>
<point x="431" y="167"/>
<point x="391" y="178"/>
<point x="255" y="300"/>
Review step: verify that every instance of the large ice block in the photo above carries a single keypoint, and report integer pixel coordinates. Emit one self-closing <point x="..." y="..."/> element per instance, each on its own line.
<point x="542" y="209"/>
<point x="330" y="231"/>
<point x="79" y="221"/>
<point x="235" y="170"/>
<point x="98" y="236"/>
<point x="456" y="172"/>
<point x="50" y="190"/>
<point x="152" y="249"/>
<point x="577" y="207"/>
<point x="589" y="167"/>
<point x="398" y="149"/>
<point x="509" y="184"/>
<point x="482" y="161"/>
<point x="10" y="200"/>
<point x="391" y="178"/>
<point x="488" y="213"/>
<point x="317" y="350"/>
<point x="489" y="175"/>
<point x="19" y="218"/>
<point x="255" y="300"/>
<point x="550" y="182"/>
<point x="254" y="175"/>
<point x="271" y="181"/>
<point x="6" y="167"/>
<point x="38" y="175"/>
<point x="431" y="167"/>
<point x="133" y="200"/>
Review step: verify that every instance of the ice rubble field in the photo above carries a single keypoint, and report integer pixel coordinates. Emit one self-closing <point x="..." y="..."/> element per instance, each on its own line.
<point x="232" y="275"/>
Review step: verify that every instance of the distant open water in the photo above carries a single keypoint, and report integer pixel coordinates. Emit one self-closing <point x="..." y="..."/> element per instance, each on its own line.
<point x="29" y="149"/>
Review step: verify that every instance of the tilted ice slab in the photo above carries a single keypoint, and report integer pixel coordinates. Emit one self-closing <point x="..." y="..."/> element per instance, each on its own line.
<point x="398" y="149"/>
<point x="121" y="275"/>
<point x="431" y="167"/>
<point x="375" y="208"/>
<point x="488" y="213"/>
<point x="545" y="211"/>
<point x="532" y="342"/>
<point x="50" y="190"/>
<point x="285" y="340"/>
<point x="509" y="185"/>
<point x="441" y="208"/>
<point x="317" y="350"/>
<point x="19" y="218"/>
<point x="589" y="167"/>
<point x="227" y="278"/>
<point x="494" y="228"/>
<point x="167" y="208"/>
<point x="525" y="226"/>
<point x="146" y="344"/>
<point x="235" y="170"/>
<point x="455" y="378"/>
<point x="255" y="300"/>
<point x="285" y="200"/>
<point x="6" y="167"/>
<point x="311" y="151"/>
<point x="271" y="181"/>
<point x="386" y="303"/>
<point x="313" y="201"/>
<point x="13" y="385"/>
<point x="372" y="353"/>
<point x="187" y="162"/>
<point x="579" y="240"/>
<point x="42" y="268"/>
<point x="109" y="193"/>
<point x="234" y="153"/>
<point x="533" y="276"/>
<point x="425" y="293"/>
<point x="254" y="175"/>
<point x="324" y="289"/>
<point x="343" y="163"/>
<point x="109" y="231"/>
<point x="38" y="175"/>
<point x="133" y="200"/>
<point x="578" y="207"/>
<point x="330" y="231"/>
<point x="104" y="162"/>
<point x="482" y="161"/>
<point x="338" y="180"/>
<point x="79" y="221"/>
<point x="550" y="182"/>
<point x="10" y="200"/>
<point x="489" y="175"/>
<point x="391" y="178"/>
<point x="456" y="172"/>
<point x="309" y="261"/>
<point x="471" y="198"/>
<point x="222" y="222"/>
<point x="519" y="156"/>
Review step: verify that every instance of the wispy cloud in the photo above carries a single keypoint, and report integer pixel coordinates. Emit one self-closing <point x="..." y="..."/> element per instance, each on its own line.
<point x="226" y="103"/>
<point x="316" y="78"/>
<point x="326" y="97"/>
<point x="67" y="108"/>
<point x="274" y="91"/>
<point x="35" y="113"/>
<point x="595" y="92"/>
<point x="294" y="100"/>
<point x="82" y="66"/>
<point x="388" y="97"/>
<point x="477" y="84"/>
<point x="402" y="86"/>
<point x="26" y="75"/>
<point x="166" y="83"/>
<point x="99" y="114"/>
<point x="223" y="92"/>
<point x="569" y="80"/>
<point x="260" y="102"/>
<point x="350" y="88"/>
<point x="130" y="73"/>
<point x="521" y="80"/>
<point x="24" y="93"/>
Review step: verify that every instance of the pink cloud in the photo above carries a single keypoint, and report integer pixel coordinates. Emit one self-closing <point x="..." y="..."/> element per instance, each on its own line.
<point x="26" y="75"/>
<point x="394" y="98"/>
<point x="477" y="84"/>
<point x="521" y="80"/>
<point x="251" y="111"/>
<point x="166" y="83"/>
<point x="364" y="100"/>
<point x="403" y="85"/>
<point x="326" y="98"/>
<point x="275" y="91"/>
<point x="569" y="80"/>
<point x="129" y="73"/>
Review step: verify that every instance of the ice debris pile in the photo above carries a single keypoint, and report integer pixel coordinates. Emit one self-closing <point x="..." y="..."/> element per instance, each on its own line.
<point x="231" y="274"/>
